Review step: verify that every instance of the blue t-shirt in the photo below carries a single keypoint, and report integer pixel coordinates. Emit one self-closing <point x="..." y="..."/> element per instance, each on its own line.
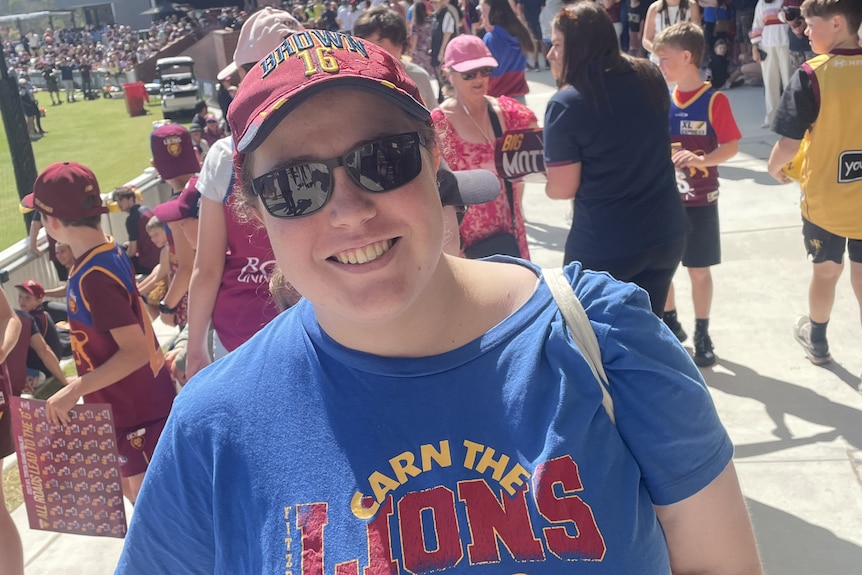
<point x="627" y="201"/>
<point x="294" y="453"/>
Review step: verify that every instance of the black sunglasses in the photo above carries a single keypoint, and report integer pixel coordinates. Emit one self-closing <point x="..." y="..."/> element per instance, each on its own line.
<point x="471" y="75"/>
<point x="378" y="166"/>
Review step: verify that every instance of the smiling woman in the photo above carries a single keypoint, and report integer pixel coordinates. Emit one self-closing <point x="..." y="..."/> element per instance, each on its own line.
<point x="417" y="412"/>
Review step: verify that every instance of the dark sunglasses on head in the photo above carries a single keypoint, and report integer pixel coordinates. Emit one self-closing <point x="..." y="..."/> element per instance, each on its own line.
<point x="378" y="166"/>
<point x="471" y="75"/>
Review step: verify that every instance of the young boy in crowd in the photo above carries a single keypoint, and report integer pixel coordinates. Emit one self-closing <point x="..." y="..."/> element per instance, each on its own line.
<point x="154" y="287"/>
<point x="704" y="134"/>
<point x="43" y="343"/>
<point x="31" y="298"/>
<point x="819" y="117"/>
<point x="117" y="356"/>
<point x="142" y="252"/>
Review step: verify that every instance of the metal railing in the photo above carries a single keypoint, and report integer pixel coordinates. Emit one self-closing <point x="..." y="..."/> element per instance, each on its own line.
<point x="18" y="263"/>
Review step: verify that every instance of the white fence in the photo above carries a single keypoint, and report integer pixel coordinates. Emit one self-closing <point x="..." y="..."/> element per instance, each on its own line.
<point x="18" y="264"/>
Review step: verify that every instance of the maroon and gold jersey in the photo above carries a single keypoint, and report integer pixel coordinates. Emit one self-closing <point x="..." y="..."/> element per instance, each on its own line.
<point x="700" y="121"/>
<point x="102" y="296"/>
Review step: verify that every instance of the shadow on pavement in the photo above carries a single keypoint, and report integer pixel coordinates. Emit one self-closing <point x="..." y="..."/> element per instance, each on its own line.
<point x="782" y="398"/>
<point x="547" y="237"/>
<point x="736" y="174"/>
<point x="791" y="546"/>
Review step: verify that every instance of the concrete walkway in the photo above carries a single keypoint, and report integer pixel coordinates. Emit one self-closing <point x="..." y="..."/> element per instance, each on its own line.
<point x="797" y="428"/>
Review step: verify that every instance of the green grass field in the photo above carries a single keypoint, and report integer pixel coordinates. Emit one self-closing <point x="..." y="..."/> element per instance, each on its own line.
<point x="96" y="133"/>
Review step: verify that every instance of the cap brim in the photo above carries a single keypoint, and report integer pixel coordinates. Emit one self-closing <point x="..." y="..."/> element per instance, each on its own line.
<point x="485" y="62"/>
<point x="26" y="205"/>
<point x="169" y="211"/>
<point x="257" y="133"/>
<point x="227" y="71"/>
<point x="477" y="186"/>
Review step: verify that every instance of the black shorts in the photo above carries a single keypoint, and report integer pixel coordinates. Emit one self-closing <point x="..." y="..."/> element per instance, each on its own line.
<point x="703" y="245"/>
<point x="535" y="29"/>
<point x="825" y="246"/>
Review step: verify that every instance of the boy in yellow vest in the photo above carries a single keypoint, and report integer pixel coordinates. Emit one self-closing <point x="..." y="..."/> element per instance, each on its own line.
<point x="819" y="118"/>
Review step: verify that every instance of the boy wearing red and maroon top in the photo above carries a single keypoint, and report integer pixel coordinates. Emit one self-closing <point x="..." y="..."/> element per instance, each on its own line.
<point x="703" y="135"/>
<point x="117" y="356"/>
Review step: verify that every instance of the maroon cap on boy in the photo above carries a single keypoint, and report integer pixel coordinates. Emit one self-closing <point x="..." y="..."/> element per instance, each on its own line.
<point x="68" y="191"/>
<point x="304" y="64"/>
<point x="173" y="151"/>
<point x="33" y="288"/>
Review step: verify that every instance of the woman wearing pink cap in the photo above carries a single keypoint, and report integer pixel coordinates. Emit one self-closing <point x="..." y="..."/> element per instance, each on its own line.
<point x="417" y="412"/>
<point x="467" y="125"/>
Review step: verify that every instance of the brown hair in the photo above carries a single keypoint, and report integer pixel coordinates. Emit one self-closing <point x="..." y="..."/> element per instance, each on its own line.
<point x="122" y="193"/>
<point x="682" y="36"/>
<point x="386" y="22"/>
<point x="851" y="11"/>
<point x="591" y="51"/>
<point x="500" y="14"/>
<point x="153" y="223"/>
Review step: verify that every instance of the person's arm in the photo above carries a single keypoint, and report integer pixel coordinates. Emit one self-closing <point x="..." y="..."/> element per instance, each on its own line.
<point x="206" y="279"/>
<point x="722" y="544"/>
<point x="695" y="13"/>
<point x="57" y="292"/>
<point x="185" y="263"/>
<point x="43" y="350"/>
<point x="133" y="352"/>
<point x="687" y="158"/>
<point x="563" y="181"/>
<point x="563" y="164"/>
<point x="649" y="27"/>
<point x="756" y="31"/>
<point x="448" y="30"/>
<point x="10" y="327"/>
<point x="783" y="151"/>
<point x="35" y="226"/>
<point x="159" y="272"/>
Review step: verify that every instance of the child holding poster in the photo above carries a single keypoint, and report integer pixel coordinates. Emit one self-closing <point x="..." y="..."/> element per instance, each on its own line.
<point x="116" y="353"/>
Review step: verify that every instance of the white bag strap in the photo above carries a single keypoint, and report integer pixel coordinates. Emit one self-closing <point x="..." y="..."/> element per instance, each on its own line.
<point x="581" y="330"/>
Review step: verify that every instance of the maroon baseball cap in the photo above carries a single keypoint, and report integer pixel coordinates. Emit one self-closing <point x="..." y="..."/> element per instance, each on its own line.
<point x="304" y="64"/>
<point x="173" y="151"/>
<point x="64" y="190"/>
<point x="186" y="205"/>
<point x="33" y="288"/>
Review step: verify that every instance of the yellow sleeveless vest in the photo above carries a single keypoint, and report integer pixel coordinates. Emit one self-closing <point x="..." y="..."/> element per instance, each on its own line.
<point x="831" y="170"/>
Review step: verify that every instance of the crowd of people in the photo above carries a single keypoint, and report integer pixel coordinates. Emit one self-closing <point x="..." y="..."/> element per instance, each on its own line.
<point x="407" y="370"/>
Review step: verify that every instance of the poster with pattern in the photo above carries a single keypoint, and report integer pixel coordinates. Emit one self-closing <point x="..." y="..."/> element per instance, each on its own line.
<point x="70" y="475"/>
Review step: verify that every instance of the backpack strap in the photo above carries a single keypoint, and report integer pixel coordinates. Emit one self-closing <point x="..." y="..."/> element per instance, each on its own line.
<point x="582" y="331"/>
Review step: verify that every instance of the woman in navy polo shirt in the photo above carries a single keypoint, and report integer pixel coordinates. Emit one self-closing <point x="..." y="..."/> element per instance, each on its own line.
<point x="607" y="145"/>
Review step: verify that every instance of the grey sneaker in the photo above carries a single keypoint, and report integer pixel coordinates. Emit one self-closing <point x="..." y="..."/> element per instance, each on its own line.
<point x="816" y="351"/>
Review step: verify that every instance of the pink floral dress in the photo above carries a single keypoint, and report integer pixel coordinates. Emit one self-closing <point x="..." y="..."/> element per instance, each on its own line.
<point x="495" y="216"/>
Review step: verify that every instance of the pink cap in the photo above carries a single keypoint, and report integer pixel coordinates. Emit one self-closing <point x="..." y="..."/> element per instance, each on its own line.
<point x="259" y="35"/>
<point x="467" y="52"/>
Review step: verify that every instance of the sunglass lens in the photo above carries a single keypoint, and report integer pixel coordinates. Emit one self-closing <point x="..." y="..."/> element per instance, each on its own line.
<point x="295" y="191"/>
<point x="386" y="164"/>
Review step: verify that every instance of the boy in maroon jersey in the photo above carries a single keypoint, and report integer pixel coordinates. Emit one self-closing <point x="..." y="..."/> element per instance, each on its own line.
<point x="116" y="352"/>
